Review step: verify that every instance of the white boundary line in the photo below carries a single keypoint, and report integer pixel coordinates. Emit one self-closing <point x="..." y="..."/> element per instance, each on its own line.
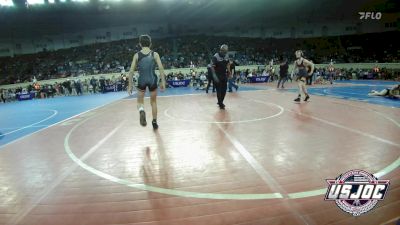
<point x="55" y="112"/>
<point x="27" y="209"/>
<point x="281" y="110"/>
<point x="196" y="94"/>
<point x="264" y="174"/>
<point x="347" y="128"/>
<point x="13" y="128"/>
<point x="54" y="124"/>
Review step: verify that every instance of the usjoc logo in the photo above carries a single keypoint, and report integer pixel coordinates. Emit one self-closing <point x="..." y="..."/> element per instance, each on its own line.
<point x="356" y="191"/>
<point x="370" y="15"/>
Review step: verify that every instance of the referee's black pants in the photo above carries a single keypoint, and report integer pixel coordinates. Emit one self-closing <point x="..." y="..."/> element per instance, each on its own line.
<point x="221" y="86"/>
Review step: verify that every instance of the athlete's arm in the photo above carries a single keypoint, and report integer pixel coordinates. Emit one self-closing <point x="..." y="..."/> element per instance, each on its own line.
<point x="309" y="64"/>
<point x="131" y="73"/>
<point x="229" y="69"/>
<point x="161" y="69"/>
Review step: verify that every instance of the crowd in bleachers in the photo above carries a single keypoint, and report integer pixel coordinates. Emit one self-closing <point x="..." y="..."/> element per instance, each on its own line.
<point x="68" y="87"/>
<point x="183" y="52"/>
<point x="195" y="51"/>
<point x="92" y="85"/>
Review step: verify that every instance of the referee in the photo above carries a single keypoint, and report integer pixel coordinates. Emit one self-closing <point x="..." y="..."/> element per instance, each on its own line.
<point x="221" y="71"/>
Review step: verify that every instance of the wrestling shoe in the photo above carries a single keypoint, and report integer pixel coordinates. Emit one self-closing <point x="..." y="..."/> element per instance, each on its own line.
<point x="143" y="118"/>
<point x="155" y="125"/>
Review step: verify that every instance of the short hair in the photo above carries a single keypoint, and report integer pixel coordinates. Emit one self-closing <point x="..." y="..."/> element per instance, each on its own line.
<point x="301" y="52"/>
<point x="145" y="40"/>
<point x="224" y="47"/>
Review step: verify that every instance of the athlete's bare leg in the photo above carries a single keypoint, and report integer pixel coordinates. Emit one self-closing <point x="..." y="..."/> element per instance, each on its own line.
<point x="378" y="93"/>
<point x="140" y="106"/>
<point x="153" y="102"/>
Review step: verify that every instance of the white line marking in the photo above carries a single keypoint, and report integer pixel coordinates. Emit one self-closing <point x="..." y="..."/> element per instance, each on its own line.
<point x="391" y="221"/>
<point x="372" y="110"/>
<point x="168" y="96"/>
<point x="196" y="94"/>
<point x="160" y="96"/>
<point x="13" y="128"/>
<point x="281" y="110"/>
<point x="347" y="128"/>
<point x="27" y="209"/>
<point x="265" y="176"/>
<point x="18" y="139"/>
<point x="55" y="112"/>
<point x="167" y="191"/>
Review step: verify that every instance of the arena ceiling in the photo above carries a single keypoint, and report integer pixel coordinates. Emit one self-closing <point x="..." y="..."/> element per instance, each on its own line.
<point x="24" y="20"/>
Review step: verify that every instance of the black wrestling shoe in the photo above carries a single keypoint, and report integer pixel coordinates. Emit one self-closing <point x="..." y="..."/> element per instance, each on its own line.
<point x="155" y="125"/>
<point x="221" y="106"/>
<point x="297" y="99"/>
<point x="306" y="98"/>
<point x="143" y="118"/>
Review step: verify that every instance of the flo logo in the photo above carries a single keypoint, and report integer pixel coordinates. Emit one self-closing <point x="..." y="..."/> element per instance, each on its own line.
<point x="356" y="191"/>
<point x="370" y="15"/>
